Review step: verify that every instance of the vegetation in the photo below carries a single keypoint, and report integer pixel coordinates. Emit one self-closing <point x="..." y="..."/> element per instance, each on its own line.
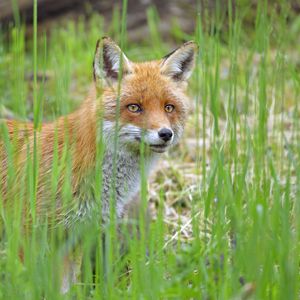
<point x="225" y="202"/>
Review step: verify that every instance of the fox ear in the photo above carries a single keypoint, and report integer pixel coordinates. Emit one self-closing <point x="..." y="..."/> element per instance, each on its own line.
<point x="180" y="63"/>
<point x="109" y="60"/>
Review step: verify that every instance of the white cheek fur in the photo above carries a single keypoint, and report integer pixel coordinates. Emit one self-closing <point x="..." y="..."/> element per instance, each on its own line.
<point x="130" y="133"/>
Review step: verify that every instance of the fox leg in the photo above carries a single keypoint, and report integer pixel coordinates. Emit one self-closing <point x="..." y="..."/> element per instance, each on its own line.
<point x="71" y="270"/>
<point x="133" y="212"/>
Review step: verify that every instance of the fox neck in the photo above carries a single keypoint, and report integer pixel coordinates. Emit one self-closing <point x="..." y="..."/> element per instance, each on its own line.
<point x="121" y="168"/>
<point x="122" y="174"/>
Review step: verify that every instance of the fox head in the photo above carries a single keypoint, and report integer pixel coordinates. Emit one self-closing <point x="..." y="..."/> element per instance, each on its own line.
<point x="148" y="98"/>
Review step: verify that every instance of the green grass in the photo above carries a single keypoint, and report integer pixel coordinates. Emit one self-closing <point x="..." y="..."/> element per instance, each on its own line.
<point x="225" y="201"/>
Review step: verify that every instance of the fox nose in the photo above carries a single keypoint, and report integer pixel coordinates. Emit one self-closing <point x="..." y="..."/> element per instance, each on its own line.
<point x="165" y="134"/>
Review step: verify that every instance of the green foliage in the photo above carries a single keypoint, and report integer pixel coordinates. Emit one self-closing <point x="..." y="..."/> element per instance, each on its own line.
<point x="226" y="201"/>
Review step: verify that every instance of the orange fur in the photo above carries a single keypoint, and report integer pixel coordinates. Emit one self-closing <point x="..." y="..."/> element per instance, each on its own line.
<point x="151" y="85"/>
<point x="76" y="130"/>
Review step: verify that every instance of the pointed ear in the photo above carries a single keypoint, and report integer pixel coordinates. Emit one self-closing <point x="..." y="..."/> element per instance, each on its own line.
<point x="180" y="63"/>
<point x="108" y="61"/>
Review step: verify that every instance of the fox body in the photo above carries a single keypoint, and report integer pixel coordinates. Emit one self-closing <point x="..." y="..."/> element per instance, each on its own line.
<point x="128" y="104"/>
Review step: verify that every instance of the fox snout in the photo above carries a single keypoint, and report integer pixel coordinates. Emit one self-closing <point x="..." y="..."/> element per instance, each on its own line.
<point x="160" y="140"/>
<point x="165" y="134"/>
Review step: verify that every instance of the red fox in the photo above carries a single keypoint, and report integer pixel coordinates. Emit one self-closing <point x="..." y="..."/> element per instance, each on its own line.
<point x="137" y="102"/>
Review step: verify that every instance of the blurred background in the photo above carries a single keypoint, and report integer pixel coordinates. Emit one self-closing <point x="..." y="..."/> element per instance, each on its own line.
<point x="173" y="13"/>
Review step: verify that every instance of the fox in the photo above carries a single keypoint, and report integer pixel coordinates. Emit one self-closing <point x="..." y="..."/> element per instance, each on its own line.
<point x="137" y="102"/>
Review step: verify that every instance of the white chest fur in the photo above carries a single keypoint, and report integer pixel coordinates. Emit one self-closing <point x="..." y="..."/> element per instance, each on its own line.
<point x="121" y="181"/>
<point x="122" y="178"/>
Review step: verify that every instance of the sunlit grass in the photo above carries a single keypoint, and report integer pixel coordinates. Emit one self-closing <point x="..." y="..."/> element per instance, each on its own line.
<point x="225" y="202"/>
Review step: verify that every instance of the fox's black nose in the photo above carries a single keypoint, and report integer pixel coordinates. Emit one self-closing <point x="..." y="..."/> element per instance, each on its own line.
<point x="165" y="134"/>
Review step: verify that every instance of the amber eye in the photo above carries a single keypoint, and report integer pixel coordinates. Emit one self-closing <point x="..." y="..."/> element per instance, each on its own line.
<point x="135" y="108"/>
<point x="169" y="108"/>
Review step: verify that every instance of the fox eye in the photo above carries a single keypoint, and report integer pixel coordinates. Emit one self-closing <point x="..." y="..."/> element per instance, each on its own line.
<point x="169" y="108"/>
<point x="135" y="108"/>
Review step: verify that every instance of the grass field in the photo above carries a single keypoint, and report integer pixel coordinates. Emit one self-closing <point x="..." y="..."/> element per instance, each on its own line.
<point x="225" y="202"/>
